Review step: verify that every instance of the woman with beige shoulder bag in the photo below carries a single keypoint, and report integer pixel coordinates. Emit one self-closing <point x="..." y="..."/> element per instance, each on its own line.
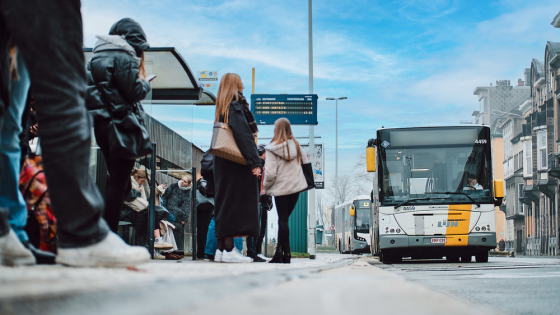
<point x="236" y="185"/>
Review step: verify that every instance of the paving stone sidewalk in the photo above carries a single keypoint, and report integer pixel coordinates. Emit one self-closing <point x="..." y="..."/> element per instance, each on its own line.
<point x="57" y="280"/>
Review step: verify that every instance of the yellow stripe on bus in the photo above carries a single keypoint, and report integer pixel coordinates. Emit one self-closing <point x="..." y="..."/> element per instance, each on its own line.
<point x="458" y="223"/>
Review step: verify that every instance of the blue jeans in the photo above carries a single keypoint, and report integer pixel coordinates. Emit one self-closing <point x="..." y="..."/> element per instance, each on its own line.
<point x="10" y="153"/>
<point x="212" y="242"/>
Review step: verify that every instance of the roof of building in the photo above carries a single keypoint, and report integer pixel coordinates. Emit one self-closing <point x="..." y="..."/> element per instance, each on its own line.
<point x="553" y="47"/>
<point x="556" y="21"/>
<point x="538" y="66"/>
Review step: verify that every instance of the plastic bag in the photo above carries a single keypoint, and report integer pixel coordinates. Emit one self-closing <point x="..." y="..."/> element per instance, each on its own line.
<point x="167" y="236"/>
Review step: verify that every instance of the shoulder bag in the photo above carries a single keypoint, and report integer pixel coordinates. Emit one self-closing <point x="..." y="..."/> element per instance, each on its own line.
<point x="224" y="145"/>
<point x="308" y="173"/>
<point x="128" y="136"/>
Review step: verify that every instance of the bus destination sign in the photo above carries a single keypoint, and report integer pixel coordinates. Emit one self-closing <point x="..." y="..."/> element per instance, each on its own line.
<point x="300" y="109"/>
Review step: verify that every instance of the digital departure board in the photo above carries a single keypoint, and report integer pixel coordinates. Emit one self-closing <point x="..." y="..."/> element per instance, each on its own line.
<point x="300" y="109"/>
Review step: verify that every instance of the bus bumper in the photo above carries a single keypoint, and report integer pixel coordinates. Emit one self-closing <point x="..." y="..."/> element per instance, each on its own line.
<point x="359" y="245"/>
<point x="410" y="241"/>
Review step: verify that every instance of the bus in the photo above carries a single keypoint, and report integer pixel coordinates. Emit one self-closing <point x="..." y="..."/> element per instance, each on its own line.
<point x="352" y="225"/>
<point x="433" y="193"/>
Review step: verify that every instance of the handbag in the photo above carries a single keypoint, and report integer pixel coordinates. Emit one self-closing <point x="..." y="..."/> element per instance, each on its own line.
<point x="203" y="203"/>
<point x="138" y="204"/>
<point x="308" y="174"/>
<point x="224" y="145"/>
<point x="127" y="136"/>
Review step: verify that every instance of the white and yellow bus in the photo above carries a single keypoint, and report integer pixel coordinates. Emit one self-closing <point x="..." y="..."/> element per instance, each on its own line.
<point x="352" y="221"/>
<point x="433" y="193"/>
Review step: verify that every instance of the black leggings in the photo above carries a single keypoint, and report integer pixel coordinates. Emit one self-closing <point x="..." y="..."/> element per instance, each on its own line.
<point x="118" y="184"/>
<point x="285" y="206"/>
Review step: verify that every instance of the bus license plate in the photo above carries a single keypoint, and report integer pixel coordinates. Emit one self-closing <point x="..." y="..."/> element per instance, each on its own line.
<point x="440" y="240"/>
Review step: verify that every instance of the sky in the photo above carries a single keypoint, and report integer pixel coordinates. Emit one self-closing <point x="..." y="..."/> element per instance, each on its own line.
<point x="400" y="63"/>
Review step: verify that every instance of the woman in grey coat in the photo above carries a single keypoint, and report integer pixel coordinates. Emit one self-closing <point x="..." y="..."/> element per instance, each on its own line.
<point x="177" y="200"/>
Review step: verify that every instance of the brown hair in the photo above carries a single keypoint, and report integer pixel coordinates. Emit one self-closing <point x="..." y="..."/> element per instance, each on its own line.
<point x="230" y="86"/>
<point x="283" y="133"/>
<point x="141" y="68"/>
<point x="14" y="75"/>
<point x="139" y="173"/>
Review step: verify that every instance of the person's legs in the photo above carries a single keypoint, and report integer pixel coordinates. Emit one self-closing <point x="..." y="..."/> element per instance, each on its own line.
<point x="264" y="222"/>
<point x="10" y="153"/>
<point x="202" y="221"/>
<point x="57" y="74"/>
<point x="118" y="183"/>
<point x="285" y="205"/>
<point x="238" y="243"/>
<point x="211" y="241"/>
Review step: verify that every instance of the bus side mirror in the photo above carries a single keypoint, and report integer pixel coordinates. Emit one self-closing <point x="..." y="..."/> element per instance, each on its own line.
<point x="498" y="188"/>
<point x="352" y="210"/>
<point x="370" y="159"/>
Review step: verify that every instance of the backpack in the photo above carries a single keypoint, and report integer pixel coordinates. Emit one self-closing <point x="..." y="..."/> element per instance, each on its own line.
<point x="41" y="223"/>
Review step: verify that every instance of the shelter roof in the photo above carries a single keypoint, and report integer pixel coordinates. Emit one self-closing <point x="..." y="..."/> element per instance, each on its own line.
<point x="175" y="82"/>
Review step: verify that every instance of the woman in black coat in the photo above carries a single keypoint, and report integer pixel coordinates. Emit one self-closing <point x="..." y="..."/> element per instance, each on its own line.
<point x="116" y="80"/>
<point x="236" y="185"/>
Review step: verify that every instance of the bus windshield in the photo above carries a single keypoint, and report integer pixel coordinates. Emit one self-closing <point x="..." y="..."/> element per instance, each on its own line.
<point x="435" y="165"/>
<point x="363" y="213"/>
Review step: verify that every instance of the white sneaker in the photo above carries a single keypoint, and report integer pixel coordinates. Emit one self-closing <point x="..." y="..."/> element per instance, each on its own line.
<point x="110" y="252"/>
<point x="160" y="244"/>
<point x="13" y="252"/>
<point x="235" y="257"/>
<point x="218" y="256"/>
<point x="158" y="256"/>
<point x="261" y="256"/>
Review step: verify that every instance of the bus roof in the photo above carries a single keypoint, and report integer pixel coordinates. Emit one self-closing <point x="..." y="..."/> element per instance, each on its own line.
<point x="360" y="197"/>
<point x="442" y="126"/>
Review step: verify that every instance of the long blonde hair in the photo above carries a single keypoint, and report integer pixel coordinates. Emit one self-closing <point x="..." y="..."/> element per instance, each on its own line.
<point x="283" y="133"/>
<point x="141" y="68"/>
<point x="230" y="86"/>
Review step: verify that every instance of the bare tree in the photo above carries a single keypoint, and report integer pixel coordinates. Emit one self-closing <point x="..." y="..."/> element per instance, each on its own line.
<point x="363" y="179"/>
<point x="321" y="210"/>
<point x="343" y="190"/>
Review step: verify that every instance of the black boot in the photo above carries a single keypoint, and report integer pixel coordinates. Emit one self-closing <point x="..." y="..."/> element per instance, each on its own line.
<point x="287" y="255"/>
<point x="42" y="257"/>
<point x="277" y="258"/>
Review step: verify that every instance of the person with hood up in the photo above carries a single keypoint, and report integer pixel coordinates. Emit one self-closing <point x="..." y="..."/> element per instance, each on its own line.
<point x="284" y="179"/>
<point x="117" y="77"/>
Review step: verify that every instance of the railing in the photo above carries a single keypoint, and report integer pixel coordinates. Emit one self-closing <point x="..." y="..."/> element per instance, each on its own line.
<point x="541" y="118"/>
<point x="526" y="130"/>
<point x="554" y="165"/>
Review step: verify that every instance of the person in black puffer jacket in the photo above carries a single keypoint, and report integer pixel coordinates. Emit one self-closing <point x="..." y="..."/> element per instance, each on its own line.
<point x="117" y="71"/>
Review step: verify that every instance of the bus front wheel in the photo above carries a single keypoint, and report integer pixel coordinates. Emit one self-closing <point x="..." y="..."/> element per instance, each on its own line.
<point x="481" y="256"/>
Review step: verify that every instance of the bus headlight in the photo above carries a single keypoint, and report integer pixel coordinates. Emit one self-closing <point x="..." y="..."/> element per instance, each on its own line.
<point x="485" y="227"/>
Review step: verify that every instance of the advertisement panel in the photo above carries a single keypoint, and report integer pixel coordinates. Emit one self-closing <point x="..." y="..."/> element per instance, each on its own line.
<point x="208" y="80"/>
<point x="318" y="168"/>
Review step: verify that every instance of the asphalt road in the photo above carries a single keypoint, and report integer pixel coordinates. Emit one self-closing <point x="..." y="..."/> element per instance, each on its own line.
<point x="506" y="285"/>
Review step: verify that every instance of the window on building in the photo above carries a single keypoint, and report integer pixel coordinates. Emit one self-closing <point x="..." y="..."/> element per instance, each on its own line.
<point x="520" y="195"/>
<point x="541" y="153"/>
<point x="528" y="160"/>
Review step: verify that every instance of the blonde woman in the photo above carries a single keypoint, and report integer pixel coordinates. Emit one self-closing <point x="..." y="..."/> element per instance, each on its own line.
<point x="284" y="179"/>
<point x="237" y="189"/>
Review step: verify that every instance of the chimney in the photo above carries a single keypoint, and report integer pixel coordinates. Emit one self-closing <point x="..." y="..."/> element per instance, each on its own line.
<point x="520" y="82"/>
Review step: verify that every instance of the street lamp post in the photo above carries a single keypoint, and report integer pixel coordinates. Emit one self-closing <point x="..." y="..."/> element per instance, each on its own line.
<point x="336" y="149"/>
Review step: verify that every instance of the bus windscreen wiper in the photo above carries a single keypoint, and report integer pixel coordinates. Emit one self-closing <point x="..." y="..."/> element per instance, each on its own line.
<point x="459" y="193"/>
<point x="417" y="199"/>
